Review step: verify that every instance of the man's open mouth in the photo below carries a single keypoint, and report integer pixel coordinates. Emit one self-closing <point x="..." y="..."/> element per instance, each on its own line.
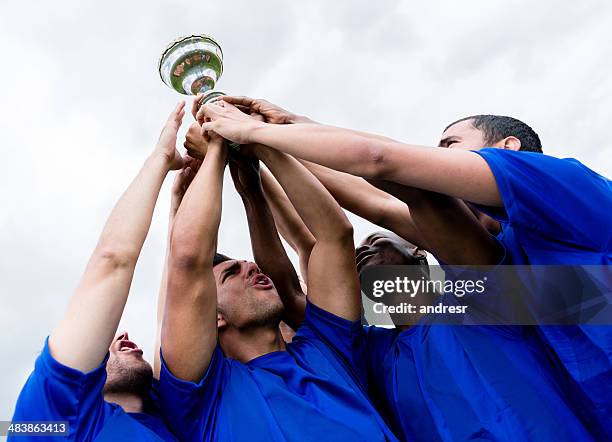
<point x="129" y="347"/>
<point x="261" y="281"/>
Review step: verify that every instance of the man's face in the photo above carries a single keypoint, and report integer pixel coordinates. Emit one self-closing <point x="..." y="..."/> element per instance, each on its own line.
<point x="126" y="370"/>
<point x="245" y="296"/>
<point x="385" y="248"/>
<point x="463" y="135"/>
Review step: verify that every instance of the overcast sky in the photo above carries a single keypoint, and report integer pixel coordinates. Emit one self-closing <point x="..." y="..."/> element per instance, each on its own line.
<point x="82" y="105"/>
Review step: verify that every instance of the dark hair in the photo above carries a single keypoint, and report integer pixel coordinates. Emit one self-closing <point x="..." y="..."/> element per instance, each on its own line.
<point x="497" y="127"/>
<point x="219" y="258"/>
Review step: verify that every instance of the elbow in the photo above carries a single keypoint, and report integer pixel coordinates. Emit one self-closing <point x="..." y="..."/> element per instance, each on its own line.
<point x="188" y="254"/>
<point x="344" y="232"/>
<point x="115" y="258"/>
<point x="373" y="158"/>
<point x="303" y="246"/>
<point x="184" y="261"/>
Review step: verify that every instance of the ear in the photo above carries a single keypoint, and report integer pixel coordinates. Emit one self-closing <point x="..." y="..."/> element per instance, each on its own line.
<point x="511" y="143"/>
<point x="221" y="322"/>
<point x="419" y="253"/>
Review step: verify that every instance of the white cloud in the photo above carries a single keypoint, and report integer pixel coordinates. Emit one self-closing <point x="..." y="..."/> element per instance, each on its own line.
<point x="82" y="105"/>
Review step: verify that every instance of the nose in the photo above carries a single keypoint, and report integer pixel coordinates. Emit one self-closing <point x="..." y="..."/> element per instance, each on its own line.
<point x="123" y="336"/>
<point x="251" y="268"/>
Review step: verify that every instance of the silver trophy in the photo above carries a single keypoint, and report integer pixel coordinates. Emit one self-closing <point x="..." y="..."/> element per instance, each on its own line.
<point x="193" y="65"/>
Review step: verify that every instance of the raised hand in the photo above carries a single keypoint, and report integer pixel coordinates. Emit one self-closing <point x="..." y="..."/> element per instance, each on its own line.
<point x="227" y="121"/>
<point x="166" y="145"/>
<point x="271" y="113"/>
<point x="195" y="143"/>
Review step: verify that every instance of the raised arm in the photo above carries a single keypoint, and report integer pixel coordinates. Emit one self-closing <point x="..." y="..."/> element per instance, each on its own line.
<point x="458" y="173"/>
<point x="363" y="199"/>
<point x="288" y="222"/>
<point x="333" y="283"/>
<point x="268" y="250"/>
<point x="448" y="227"/>
<point x="189" y="329"/>
<point x="97" y="304"/>
<point x="181" y="182"/>
<point x="352" y="193"/>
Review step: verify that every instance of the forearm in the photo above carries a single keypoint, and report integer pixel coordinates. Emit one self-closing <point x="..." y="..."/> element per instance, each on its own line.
<point x="127" y="226"/>
<point x="454" y="172"/>
<point x="448" y="227"/>
<point x="332" y="276"/>
<point x="287" y="221"/>
<point x="189" y="332"/>
<point x="271" y="257"/>
<point x="161" y="300"/>
<point x="453" y="233"/>
<point x="367" y="201"/>
<point x="194" y="232"/>
<point x="318" y="210"/>
<point x="96" y="307"/>
<point x="336" y="148"/>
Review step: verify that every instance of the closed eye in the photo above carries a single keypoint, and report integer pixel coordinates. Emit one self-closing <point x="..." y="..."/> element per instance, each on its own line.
<point x="446" y="142"/>
<point x="230" y="271"/>
<point x="372" y="239"/>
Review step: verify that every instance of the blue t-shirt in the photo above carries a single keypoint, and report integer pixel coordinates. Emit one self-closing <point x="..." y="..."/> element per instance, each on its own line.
<point x="559" y="212"/>
<point x="556" y="211"/>
<point x="55" y="392"/>
<point x="307" y="393"/>
<point x="447" y="383"/>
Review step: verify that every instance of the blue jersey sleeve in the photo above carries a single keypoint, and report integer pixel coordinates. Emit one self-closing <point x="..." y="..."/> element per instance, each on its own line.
<point x="378" y="341"/>
<point x="338" y="333"/>
<point x="342" y="337"/>
<point x="55" y="392"/>
<point x="189" y="408"/>
<point x="552" y="199"/>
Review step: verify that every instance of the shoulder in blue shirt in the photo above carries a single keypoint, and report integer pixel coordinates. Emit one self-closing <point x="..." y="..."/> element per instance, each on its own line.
<point x="55" y="392"/>
<point x="309" y="392"/>
<point x="443" y="382"/>
<point x="558" y="209"/>
<point x="558" y="212"/>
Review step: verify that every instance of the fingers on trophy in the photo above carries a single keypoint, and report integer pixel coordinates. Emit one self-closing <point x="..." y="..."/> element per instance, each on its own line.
<point x="193" y="65"/>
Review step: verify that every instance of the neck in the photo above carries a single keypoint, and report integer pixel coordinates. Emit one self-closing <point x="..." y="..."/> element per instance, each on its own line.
<point x="247" y="344"/>
<point x="130" y="402"/>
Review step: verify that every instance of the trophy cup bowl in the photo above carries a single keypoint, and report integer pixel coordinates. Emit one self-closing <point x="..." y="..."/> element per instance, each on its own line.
<point x="191" y="65"/>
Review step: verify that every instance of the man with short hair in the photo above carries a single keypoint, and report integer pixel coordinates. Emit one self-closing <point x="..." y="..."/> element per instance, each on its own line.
<point x="420" y="375"/>
<point x="226" y="373"/>
<point x="98" y="384"/>
<point x="531" y="211"/>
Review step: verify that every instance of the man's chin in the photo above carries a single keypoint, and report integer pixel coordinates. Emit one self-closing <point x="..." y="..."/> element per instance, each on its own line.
<point x="129" y="376"/>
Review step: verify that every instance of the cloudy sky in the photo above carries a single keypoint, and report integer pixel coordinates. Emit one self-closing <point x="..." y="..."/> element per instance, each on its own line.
<point x="82" y="105"/>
